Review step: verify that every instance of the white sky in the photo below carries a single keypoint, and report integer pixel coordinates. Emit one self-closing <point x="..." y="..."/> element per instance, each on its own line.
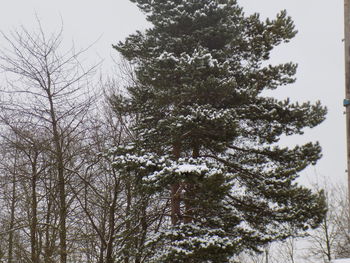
<point x="318" y="49"/>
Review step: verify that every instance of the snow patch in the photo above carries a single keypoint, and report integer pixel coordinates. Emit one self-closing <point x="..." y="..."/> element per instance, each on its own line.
<point x="343" y="260"/>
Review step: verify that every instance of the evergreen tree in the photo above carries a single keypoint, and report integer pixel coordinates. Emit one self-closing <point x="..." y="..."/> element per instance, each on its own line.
<point x="206" y="134"/>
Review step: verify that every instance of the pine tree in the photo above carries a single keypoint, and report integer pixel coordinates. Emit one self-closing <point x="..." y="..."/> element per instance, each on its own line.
<point x="206" y="134"/>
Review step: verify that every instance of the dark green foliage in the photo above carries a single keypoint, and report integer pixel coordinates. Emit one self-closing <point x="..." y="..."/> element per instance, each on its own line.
<point x="201" y="71"/>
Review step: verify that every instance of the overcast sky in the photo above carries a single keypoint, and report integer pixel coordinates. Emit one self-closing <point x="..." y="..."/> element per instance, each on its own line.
<point x="318" y="49"/>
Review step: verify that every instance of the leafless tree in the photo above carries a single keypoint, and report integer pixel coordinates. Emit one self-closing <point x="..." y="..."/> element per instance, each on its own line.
<point x="66" y="201"/>
<point x="49" y="91"/>
<point x="331" y="240"/>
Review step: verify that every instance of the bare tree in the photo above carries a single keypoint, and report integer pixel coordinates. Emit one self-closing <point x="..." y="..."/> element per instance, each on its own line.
<point x="331" y="240"/>
<point x="74" y="206"/>
<point x="48" y="89"/>
<point x="114" y="211"/>
<point x="9" y="200"/>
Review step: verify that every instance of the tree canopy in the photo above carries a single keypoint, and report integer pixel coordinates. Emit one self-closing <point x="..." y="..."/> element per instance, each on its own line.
<point x="208" y="136"/>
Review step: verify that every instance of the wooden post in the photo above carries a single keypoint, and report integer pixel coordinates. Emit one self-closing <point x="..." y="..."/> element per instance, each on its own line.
<point x="347" y="89"/>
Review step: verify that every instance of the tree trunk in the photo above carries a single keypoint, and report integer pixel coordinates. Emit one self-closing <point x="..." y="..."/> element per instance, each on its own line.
<point x="61" y="182"/>
<point x="111" y="223"/>
<point x="127" y="216"/>
<point x="175" y="204"/>
<point x="62" y="214"/>
<point x="12" y="217"/>
<point x="34" y="217"/>
<point x="190" y="193"/>
<point x="176" y="192"/>
<point x="328" y="241"/>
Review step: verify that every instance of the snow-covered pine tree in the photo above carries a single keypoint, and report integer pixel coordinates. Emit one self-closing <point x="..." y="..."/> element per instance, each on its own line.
<point x="206" y="135"/>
